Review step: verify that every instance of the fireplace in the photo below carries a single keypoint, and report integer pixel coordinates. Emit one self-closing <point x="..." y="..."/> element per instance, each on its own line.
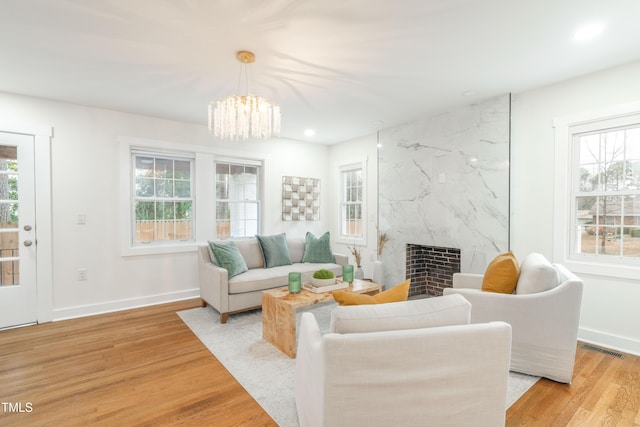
<point x="431" y="269"/>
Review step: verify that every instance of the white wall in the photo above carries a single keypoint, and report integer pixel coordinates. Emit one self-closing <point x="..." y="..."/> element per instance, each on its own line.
<point x="610" y="314"/>
<point x="294" y="158"/>
<point x="85" y="176"/>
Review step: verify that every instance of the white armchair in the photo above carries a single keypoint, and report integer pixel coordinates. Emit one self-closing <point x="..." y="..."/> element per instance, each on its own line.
<point x="544" y="324"/>
<point x="409" y="363"/>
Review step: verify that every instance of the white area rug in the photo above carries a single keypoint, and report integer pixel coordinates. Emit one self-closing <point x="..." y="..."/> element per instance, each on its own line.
<point x="263" y="370"/>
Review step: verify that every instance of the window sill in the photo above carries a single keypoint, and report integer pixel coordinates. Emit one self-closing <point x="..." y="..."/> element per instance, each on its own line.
<point x="619" y="271"/>
<point x="351" y="241"/>
<point x="156" y="249"/>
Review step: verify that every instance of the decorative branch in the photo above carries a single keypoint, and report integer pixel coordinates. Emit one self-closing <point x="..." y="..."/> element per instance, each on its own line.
<point x="357" y="254"/>
<point x="382" y="240"/>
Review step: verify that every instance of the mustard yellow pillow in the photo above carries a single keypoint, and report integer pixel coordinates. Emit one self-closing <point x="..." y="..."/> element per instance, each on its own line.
<point x="396" y="294"/>
<point x="502" y="274"/>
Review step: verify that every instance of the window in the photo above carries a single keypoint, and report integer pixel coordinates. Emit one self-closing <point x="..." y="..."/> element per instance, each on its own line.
<point x="237" y="199"/>
<point x="606" y="197"/>
<point x="352" y="190"/>
<point x="597" y="191"/>
<point x="169" y="194"/>
<point x="163" y="200"/>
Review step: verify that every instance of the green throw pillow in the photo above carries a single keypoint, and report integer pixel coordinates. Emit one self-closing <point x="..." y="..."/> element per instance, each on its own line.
<point x="274" y="250"/>
<point x="228" y="257"/>
<point x="318" y="249"/>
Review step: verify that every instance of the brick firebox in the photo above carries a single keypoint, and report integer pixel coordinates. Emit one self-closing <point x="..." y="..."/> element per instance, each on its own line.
<point x="431" y="268"/>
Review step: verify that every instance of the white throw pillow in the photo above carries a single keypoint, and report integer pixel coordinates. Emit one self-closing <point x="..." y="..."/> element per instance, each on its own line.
<point x="536" y="275"/>
<point x="394" y="316"/>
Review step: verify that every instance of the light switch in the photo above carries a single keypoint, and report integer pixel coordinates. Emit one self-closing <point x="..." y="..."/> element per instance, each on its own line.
<point x="81" y="219"/>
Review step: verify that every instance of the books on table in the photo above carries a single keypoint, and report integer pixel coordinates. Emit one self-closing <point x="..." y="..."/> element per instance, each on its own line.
<point x="328" y="288"/>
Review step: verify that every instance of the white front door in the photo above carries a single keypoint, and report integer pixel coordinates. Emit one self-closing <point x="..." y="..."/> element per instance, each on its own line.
<point x="18" y="291"/>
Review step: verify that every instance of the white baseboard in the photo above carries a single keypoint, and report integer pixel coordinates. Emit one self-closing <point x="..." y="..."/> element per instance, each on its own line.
<point x="609" y="341"/>
<point x="111" y="306"/>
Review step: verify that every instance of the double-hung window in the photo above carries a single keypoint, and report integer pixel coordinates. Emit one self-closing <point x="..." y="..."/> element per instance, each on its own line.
<point x="597" y="197"/>
<point x="237" y="198"/>
<point x="606" y="197"/>
<point x="352" y="201"/>
<point x="163" y="198"/>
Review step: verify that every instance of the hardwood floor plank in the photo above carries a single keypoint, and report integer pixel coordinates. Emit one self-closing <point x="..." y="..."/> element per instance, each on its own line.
<point x="602" y="412"/>
<point x="579" y="418"/>
<point x="574" y="395"/>
<point x="630" y="384"/>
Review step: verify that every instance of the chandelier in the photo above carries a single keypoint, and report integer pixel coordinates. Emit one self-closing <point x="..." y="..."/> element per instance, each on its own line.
<point x="244" y="116"/>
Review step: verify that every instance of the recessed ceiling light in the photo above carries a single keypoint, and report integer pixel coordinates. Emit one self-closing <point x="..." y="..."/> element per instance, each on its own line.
<point x="309" y="132"/>
<point x="377" y="122"/>
<point x="469" y="93"/>
<point x="588" y="32"/>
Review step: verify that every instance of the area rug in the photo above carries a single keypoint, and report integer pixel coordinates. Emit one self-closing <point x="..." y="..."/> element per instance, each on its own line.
<point x="263" y="370"/>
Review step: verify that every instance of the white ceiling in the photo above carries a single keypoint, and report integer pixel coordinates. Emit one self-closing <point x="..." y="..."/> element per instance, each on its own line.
<point x="336" y="66"/>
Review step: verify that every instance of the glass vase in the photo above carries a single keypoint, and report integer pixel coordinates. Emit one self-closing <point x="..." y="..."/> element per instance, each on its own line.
<point x="295" y="282"/>
<point x="347" y="273"/>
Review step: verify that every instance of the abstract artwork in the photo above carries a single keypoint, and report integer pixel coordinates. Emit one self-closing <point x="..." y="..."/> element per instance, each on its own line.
<point x="300" y="199"/>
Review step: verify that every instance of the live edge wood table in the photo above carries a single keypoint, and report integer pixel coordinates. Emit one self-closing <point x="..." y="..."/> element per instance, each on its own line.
<point x="279" y="311"/>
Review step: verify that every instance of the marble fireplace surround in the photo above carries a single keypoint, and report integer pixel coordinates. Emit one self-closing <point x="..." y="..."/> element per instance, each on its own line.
<point x="444" y="182"/>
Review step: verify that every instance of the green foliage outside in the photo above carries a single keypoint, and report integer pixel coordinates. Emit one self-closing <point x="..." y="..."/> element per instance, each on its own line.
<point x="13" y="194"/>
<point x="9" y="191"/>
<point x="151" y="211"/>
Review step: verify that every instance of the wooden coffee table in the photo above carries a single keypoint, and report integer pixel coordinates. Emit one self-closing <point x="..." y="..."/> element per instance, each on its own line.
<point x="279" y="311"/>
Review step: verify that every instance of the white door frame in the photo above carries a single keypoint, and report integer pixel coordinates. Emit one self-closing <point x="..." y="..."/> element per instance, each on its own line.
<point x="42" y="136"/>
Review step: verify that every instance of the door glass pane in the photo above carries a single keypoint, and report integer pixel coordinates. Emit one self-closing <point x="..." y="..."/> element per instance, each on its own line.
<point x="9" y="273"/>
<point x="9" y="263"/>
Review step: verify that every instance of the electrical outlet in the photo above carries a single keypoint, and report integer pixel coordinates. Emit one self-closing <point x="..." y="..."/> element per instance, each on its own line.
<point x="83" y="274"/>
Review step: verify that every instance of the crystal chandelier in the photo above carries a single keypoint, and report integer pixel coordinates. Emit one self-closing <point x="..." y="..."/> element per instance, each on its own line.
<point x="244" y="116"/>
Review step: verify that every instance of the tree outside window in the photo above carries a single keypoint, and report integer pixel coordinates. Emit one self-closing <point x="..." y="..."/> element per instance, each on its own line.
<point x="607" y="192"/>
<point x="9" y="192"/>
<point x="9" y="266"/>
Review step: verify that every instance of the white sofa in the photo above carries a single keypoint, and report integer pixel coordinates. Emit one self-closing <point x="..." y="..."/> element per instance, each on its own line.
<point x="545" y="321"/>
<point x="244" y="291"/>
<point x="410" y="363"/>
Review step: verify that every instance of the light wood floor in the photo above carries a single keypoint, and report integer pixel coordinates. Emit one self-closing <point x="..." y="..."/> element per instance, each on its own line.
<point x="132" y="368"/>
<point x="605" y="391"/>
<point x="145" y="367"/>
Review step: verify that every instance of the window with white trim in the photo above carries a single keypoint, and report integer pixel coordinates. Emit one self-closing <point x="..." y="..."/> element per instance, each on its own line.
<point x="237" y="198"/>
<point x="597" y="191"/>
<point x="352" y="201"/>
<point x="606" y="190"/>
<point x="163" y="201"/>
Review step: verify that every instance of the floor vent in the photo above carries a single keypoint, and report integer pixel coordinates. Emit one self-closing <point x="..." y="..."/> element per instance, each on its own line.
<point x="602" y="350"/>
